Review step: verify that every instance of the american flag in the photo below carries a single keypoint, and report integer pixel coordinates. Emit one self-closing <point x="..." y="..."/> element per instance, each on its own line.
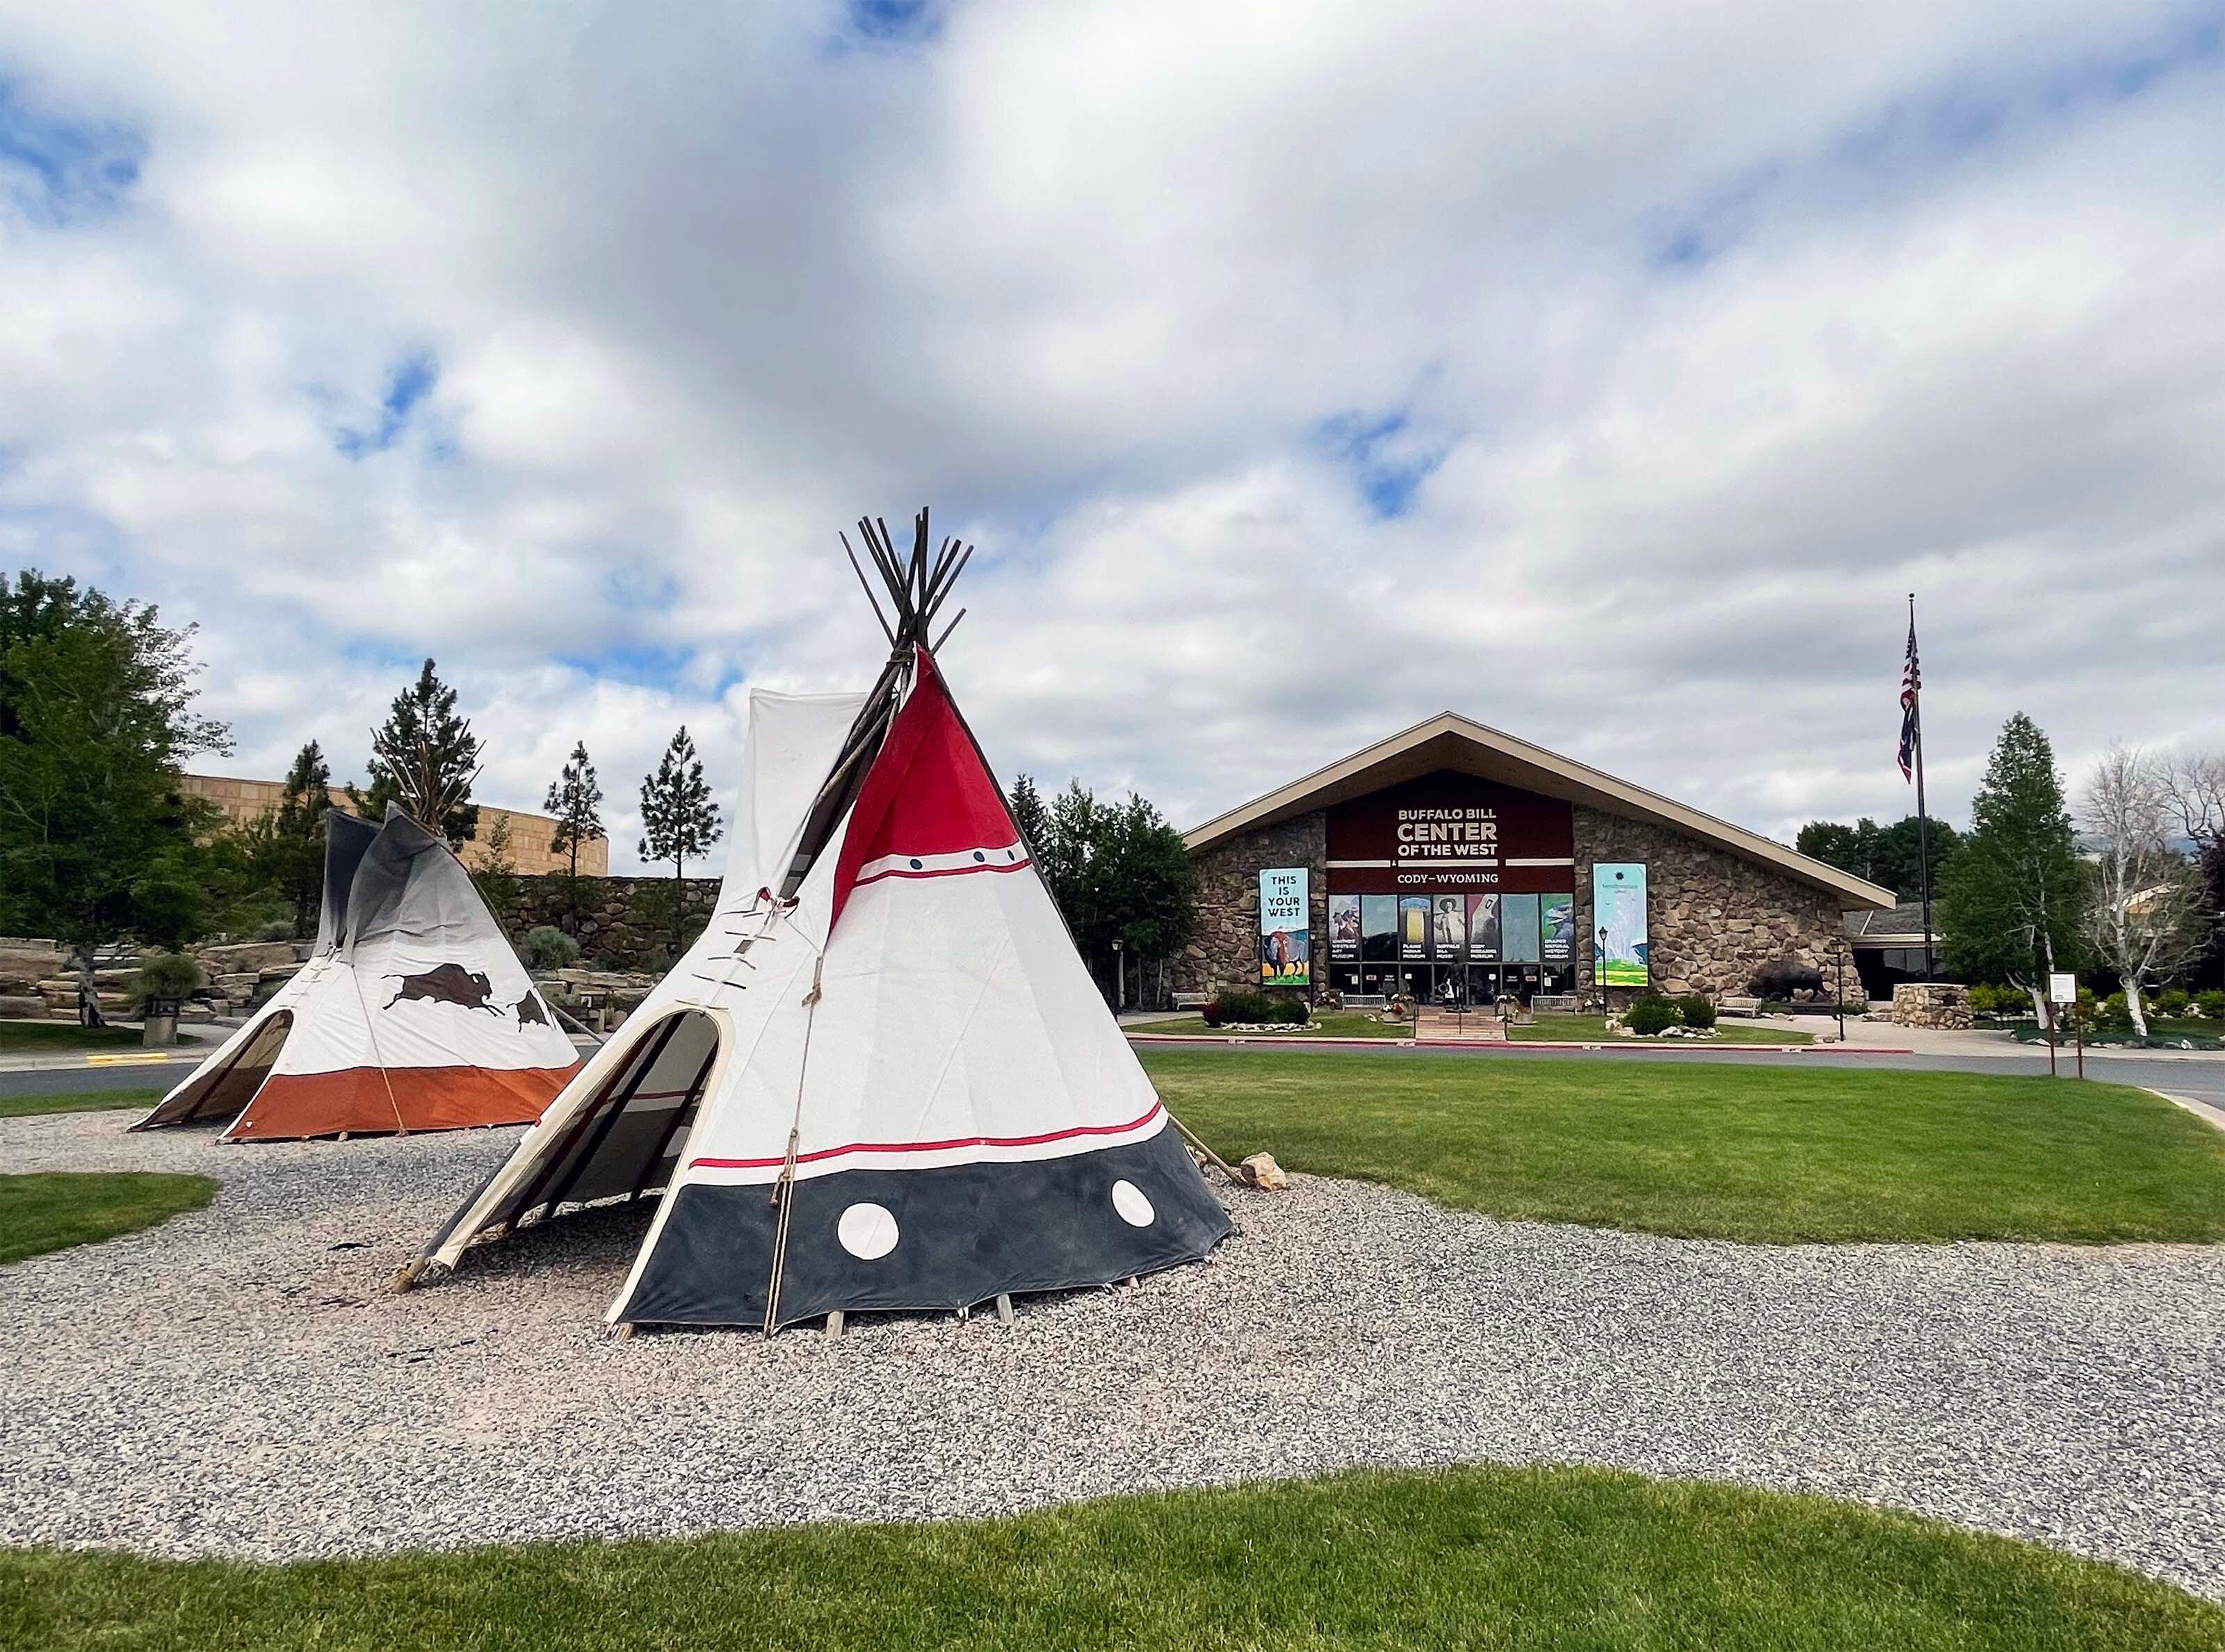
<point x="1911" y="678"/>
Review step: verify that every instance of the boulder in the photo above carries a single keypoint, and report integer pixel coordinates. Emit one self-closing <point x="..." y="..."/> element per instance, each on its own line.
<point x="1261" y="1171"/>
<point x="22" y="1007"/>
<point x="239" y="985"/>
<point x="247" y="958"/>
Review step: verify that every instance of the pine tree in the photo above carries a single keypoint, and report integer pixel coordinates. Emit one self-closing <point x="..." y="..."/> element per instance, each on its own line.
<point x="297" y="835"/>
<point x="677" y="811"/>
<point x="426" y="758"/>
<point x="576" y="800"/>
<point x="2013" y="898"/>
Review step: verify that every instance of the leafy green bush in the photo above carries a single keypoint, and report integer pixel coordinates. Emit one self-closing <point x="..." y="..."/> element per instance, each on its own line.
<point x="1257" y="1009"/>
<point x="2113" y="1013"/>
<point x="2173" y="1001"/>
<point x="549" y="948"/>
<point x="166" y="975"/>
<point x="1697" y="1010"/>
<point x="1650" y="1014"/>
<point x="2211" y="1004"/>
<point x="275" y="929"/>
<point x="1985" y="1000"/>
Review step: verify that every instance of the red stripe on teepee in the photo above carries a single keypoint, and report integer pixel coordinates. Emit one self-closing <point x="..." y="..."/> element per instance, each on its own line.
<point x="817" y="1153"/>
<point x="927" y="792"/>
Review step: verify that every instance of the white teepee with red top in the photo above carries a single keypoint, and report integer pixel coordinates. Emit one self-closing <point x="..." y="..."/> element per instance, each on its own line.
<point x="883" y="1078"/>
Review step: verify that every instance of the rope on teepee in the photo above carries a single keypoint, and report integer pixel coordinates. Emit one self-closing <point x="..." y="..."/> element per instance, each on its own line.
<point x="372" y="1033"/>
<point x="784" y="1187"/>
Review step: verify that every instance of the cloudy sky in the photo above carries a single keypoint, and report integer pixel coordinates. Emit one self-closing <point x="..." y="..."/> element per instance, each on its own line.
<point x="1608" y="373"/>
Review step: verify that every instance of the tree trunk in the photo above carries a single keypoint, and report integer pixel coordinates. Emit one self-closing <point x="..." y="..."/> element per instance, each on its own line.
<point x="88" y="991"/>
<point x="2133" y="1007"/>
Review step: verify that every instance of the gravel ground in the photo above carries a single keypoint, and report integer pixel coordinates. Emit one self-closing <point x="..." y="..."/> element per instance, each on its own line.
<point x="237" y="1382"/>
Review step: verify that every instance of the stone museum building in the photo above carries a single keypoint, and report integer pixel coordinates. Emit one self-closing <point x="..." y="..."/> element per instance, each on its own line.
<point x="1455" y="862"/>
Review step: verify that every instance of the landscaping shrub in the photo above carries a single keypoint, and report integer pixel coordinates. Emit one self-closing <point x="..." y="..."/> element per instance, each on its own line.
<point x="1650" y="1014"/>
<point x="549" y="948"/>
<point x="1985" y="1000"/>
<point x="1257" y="1009"/>
<point x="166" y="975"/>
<point x="2173" y="1001"/>
<point x="1698" y="1010"/>
<point x="2113" y="1013"/>
<point x="2211" y="1004"/>
<point x="275" y="929"/>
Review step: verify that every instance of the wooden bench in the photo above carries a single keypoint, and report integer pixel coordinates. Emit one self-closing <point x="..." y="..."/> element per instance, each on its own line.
<point x="1365" y="1001"/>
<point x="1192" y="1000"/>
<point x="1738" y="1006"/>
<point x="1554" y="1004"/>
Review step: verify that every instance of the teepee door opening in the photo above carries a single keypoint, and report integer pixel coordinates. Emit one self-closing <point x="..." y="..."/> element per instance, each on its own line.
<point x="223" y="1094"/>
<point x="624" y="1133"/>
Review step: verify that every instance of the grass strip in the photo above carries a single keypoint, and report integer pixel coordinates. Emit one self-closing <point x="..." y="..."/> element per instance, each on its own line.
<point x="1771" y="1154"/>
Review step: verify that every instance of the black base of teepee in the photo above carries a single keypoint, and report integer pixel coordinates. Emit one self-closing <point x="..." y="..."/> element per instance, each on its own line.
<point x="965" y="1234"/>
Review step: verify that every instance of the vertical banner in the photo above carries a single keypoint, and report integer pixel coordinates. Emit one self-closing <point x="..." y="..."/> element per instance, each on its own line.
<point x="1448" y="926"/>
<point x="1379" y="927"/>
<point x="1619" y="938"/>
<point x="1344" y="929"/>
<point x="1413" y="925"/>
<point x="1285" y="940"/>
<point x="1518" y="928"/>
<point x="1483" y="928"/>
<point x="1557" y="924"/>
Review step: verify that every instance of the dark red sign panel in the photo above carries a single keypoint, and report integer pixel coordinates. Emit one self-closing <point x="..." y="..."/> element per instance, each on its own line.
<point x="1451" y="832"/>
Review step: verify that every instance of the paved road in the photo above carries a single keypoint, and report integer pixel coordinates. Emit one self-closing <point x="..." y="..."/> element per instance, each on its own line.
<point x="79" y="1081"/>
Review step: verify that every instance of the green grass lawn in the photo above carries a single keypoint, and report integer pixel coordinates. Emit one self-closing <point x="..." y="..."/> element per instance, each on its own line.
<point x="53" y="1210"/>
<point x="1592" y="1029"/>
<point x="30" y="1037"/>
<point x="80" y="1101"/>
<point x="1768" y="1155"/>
<point x="1507" y="1558"/>
<point x="1330" y="1024"/>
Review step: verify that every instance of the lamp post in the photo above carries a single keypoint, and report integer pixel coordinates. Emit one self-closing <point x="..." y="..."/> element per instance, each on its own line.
<point x="1119" y="977"/>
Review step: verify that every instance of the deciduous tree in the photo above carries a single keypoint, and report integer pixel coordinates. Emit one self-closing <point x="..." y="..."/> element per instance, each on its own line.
<point x="2145" y="918"/>
<point x="96" y="716"/>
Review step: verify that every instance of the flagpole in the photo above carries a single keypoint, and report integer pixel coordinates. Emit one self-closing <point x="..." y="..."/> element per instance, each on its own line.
<point x="1923" y="818"/>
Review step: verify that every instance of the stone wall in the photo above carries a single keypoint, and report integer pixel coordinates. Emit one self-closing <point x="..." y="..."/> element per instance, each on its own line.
<point x="1712" y="918"/>
<point x="625" y="920"/>
<point x="1937" y="1004"/>
<point x="1226" y="953"/>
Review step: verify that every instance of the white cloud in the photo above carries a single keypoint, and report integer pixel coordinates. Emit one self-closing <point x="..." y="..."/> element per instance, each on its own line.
<point x="1711" y="332"/>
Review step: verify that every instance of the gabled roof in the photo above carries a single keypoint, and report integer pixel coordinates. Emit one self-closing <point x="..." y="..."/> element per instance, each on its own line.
<point x="1449" y="741"/>
<point x="1901" y="926"/>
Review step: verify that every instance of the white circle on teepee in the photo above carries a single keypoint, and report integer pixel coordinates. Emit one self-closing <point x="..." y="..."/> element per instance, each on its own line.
<point x="868" y="1231"/>
<point x="1134" y="1207"/>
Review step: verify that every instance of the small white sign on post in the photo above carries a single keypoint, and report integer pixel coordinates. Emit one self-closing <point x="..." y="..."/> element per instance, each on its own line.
<point x="2062" y="989"/>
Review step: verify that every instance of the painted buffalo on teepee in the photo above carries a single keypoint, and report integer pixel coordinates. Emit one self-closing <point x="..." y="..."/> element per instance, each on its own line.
<point x="381" y="1030"/>
<point x="882" y="1078"/>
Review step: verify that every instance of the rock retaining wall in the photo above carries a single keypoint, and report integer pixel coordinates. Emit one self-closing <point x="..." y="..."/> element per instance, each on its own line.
<point x="1940" y="1004"/>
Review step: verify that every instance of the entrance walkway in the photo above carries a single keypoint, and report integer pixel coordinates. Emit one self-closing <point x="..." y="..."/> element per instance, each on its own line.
<point x="1435" y="1026"/>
